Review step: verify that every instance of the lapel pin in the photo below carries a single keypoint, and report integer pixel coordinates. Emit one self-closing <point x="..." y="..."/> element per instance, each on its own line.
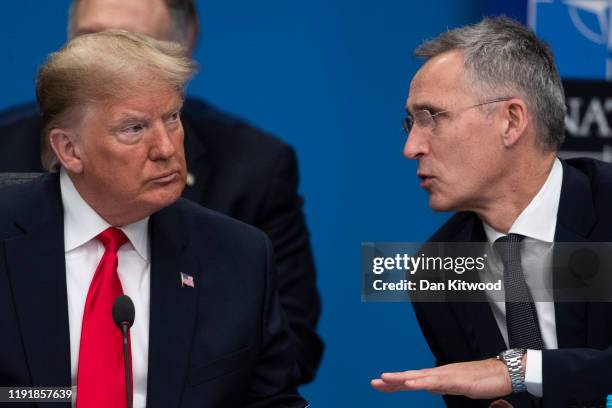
<point x="187" y="280"/>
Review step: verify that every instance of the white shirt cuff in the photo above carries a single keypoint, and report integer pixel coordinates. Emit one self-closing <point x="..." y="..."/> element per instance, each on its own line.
<point x="533" y="373"/>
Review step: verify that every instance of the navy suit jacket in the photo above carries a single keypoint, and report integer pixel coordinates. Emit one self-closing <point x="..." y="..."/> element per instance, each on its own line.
<point x="238" y="171"/>
<point x="579" y="373"/>
<point x="224" y="343"/>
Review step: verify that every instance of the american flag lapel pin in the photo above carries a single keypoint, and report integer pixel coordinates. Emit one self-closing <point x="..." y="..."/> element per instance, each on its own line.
<point x="187" y="280"/>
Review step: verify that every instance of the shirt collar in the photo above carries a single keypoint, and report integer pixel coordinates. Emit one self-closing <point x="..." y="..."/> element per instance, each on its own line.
<point x="539" y="219"/>
<point x="82" y="223"/>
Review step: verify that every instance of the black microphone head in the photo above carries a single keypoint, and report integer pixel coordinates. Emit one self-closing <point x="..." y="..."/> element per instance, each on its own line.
<point x="123" y="311"/>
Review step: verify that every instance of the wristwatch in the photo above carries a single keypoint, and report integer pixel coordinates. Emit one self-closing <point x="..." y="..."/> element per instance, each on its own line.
<point x="513" y="359"/>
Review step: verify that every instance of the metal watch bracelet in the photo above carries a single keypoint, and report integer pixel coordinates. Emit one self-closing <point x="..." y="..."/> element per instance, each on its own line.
<point x="513" y="359"/>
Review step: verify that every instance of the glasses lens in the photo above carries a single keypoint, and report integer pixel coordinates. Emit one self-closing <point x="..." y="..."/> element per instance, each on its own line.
<point x="424" y="118"/>
<point x="407" y="123"/>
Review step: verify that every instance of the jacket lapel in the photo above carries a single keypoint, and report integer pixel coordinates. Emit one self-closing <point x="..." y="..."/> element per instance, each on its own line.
<point x="173" y="309"/>
<point x="575" y="220"/>
<point x="36" y="267"/>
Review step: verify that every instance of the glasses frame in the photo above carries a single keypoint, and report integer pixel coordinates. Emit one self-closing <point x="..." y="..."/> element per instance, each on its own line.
<point x="427" y="120"/>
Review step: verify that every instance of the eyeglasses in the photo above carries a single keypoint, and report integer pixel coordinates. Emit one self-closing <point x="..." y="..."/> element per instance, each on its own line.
<point x="426" y="120"/>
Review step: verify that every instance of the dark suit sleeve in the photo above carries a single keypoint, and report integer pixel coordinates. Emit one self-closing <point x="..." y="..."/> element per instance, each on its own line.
<point x="273" y="382"/>
<point x="283" y="220"/>
<point x="576" y="377"/>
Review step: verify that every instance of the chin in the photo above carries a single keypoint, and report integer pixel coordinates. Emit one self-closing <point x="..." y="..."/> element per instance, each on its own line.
<point x="438" y="204"/>
<point x="169" y="197"/>
<point x="165" y="196"/>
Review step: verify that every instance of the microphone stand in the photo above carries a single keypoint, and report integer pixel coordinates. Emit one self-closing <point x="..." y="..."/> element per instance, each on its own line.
<point x="125" y="327"/>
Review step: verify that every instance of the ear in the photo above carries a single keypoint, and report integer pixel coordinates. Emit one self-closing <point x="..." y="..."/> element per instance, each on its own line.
<point x="517" y="120"/>
<point x="63" y="143"/>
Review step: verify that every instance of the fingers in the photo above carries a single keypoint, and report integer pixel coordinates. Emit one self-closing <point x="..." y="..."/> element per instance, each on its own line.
<point x="476" y="379"/>
<point x="431" y="383"/>
<point x="401" y="381"/>
<point x="401" y="377"/>
<point x="382" y="386"/>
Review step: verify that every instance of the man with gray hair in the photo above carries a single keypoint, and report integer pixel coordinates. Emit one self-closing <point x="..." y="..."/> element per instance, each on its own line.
<point x="233" y="167"/>
<point x="209" y="330"/>
<point x="485" y="118"/>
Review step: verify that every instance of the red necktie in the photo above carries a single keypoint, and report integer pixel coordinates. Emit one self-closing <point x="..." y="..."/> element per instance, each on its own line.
<point x="101" y="372"/>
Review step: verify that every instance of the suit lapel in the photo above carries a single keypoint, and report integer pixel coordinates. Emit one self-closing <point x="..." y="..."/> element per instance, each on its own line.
<point x="196" y="154"/>
<point x="575" y="220"/>
<point x="173" y="309"/>
<point x="576" y="214"/>
<point x="36" y="267"/>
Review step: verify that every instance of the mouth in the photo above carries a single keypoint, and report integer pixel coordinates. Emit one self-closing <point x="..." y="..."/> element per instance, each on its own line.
<point x="167" y="178"/>
<point x="426" y="179"/>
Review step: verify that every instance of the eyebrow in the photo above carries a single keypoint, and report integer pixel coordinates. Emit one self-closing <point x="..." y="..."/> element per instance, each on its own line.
<point x="425" y="106"/>
<point x="127" y="117"/>
<point x="176" y="108"/>
<point x="170" y="113"/>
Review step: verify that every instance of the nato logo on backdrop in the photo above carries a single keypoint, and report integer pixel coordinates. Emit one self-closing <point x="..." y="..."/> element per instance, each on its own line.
<point x="579" y="33"/>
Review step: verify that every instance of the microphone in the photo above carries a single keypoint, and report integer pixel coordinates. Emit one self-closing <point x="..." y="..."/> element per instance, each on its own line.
<point x="123" y="315"/>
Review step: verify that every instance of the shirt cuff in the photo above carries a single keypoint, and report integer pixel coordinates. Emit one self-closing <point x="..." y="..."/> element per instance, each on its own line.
<point x="533" y="373"/>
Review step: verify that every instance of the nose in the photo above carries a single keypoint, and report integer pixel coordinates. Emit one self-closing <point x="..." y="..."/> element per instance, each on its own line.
<point x="417" y="144"/>
<point x="162" y="143"/>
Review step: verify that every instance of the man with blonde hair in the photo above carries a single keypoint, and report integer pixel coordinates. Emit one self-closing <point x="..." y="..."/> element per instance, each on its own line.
<point x="208" y="329"/>
<point x="232" y="167"/>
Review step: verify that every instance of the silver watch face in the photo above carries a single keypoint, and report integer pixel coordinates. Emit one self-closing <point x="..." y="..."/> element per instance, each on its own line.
<point x="515" y="352"/>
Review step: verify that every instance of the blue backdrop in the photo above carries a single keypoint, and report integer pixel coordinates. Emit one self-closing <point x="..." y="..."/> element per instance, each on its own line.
<point x="330" y="78"/>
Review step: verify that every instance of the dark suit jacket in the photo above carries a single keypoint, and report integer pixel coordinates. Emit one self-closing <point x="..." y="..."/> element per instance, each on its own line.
<point x="580" y="372"/>
<point x="224" y="343"/>
<point x="238" y="171"/>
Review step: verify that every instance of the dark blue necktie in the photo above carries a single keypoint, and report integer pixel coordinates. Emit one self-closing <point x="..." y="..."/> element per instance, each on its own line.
<point x="521" y="315"/>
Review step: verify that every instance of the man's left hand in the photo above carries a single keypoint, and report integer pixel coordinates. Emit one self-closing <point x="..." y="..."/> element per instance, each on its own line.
<point x="476" y="379"/>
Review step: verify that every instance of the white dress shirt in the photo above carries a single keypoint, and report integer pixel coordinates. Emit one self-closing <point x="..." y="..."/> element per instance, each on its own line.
<point x="83" y="253"/>
<point x="537" y="223"/>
